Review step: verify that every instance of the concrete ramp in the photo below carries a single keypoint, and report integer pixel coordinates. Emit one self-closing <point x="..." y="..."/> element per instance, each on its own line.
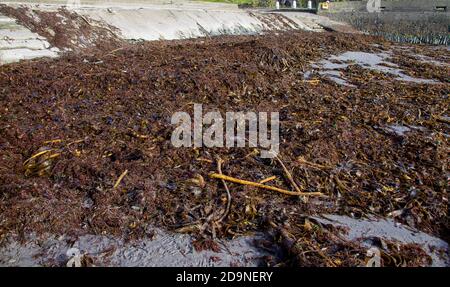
<point x="166" y="24"/>
<point x="19" y="43"/>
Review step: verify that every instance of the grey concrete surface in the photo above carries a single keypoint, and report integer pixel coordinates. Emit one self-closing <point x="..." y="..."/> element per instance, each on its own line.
<point x="164" y="249"/>
<point x="333" y="66"/>
<point x="173" y="249"/>
<point x="19" y="43"/>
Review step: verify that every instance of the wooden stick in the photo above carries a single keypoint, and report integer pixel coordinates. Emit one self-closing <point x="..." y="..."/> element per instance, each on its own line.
<point x="259" y="185"/>
<point x="268" y="179"/>
<point x="301" y="160"/>
<point x="312" y="82"/>
<point x="288" y="175"/>
<point x="53" y="141"/>
<point x="120" y="178"/>
<point x="37" y="154"/>
<point x="219" y="169"/>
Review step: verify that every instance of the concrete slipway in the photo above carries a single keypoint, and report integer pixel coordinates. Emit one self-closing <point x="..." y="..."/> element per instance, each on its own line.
<point x="151" y="20"/>
<point x="174" y="249"/>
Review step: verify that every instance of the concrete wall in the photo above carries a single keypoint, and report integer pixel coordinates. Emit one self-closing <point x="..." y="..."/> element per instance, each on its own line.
<point x="349" y="6"/>
<point x="414" y="5"/>
<point x="391" y="5"/>
<point x="411" y="27"/>
<point x="414" y="21"/>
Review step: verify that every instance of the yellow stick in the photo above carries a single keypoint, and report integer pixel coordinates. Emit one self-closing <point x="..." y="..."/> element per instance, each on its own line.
<point x="75" y="142"/>
<point x="120" y="178"/>
<point x="225" y="214"/>
<point x="53" y="141"/>
<point x="311" y="164"/>
<point x="312" y="82"/>
<point x="288" y="175"/>
<point x="54" y="155"/>
<point x="259" y="185"/>
<point x="268" y="179"/>
<point x="36" y="155"/>
<point x="204" y="159"/>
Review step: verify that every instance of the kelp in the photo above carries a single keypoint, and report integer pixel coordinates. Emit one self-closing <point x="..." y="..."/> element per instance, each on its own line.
<point x="86" y="142"/>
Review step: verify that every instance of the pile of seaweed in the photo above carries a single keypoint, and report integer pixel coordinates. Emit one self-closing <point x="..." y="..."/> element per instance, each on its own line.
<point x="85" y="142"/>
<point x="307" y="242"/>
